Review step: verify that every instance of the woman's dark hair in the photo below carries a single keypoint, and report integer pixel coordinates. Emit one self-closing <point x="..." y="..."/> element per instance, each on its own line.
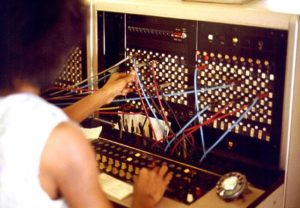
<point x="35" y="39"/>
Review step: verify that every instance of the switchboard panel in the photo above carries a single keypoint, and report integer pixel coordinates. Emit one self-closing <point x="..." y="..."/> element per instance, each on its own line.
<point x="213" y="91"/>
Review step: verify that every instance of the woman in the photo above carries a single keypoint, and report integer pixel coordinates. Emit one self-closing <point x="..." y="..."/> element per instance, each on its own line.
<point x="45" y="160"/>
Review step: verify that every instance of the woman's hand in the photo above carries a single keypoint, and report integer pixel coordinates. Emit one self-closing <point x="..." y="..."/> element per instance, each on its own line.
<point x="150" y="186"/>
<point x="118" y="84"/>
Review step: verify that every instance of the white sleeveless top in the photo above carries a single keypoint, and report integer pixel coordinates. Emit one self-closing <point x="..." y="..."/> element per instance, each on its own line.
<point x="26" y="122"/>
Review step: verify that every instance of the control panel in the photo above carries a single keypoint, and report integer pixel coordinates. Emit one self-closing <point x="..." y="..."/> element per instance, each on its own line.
<point x="214" y="91"/>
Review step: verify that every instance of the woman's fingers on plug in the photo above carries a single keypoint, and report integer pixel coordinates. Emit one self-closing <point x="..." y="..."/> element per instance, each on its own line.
<point x="125" y="91"/>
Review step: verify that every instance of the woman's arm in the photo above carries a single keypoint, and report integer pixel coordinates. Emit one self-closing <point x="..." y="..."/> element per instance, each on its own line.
<point x="69" y="169"/>
<point x="118" y="84"/>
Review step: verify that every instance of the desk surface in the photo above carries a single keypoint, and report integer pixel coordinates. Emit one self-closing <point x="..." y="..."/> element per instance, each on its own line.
<point x="209" y="200"/>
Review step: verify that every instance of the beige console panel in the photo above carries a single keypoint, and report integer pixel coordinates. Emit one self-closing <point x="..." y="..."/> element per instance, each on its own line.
<point x="209" y="200"/>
